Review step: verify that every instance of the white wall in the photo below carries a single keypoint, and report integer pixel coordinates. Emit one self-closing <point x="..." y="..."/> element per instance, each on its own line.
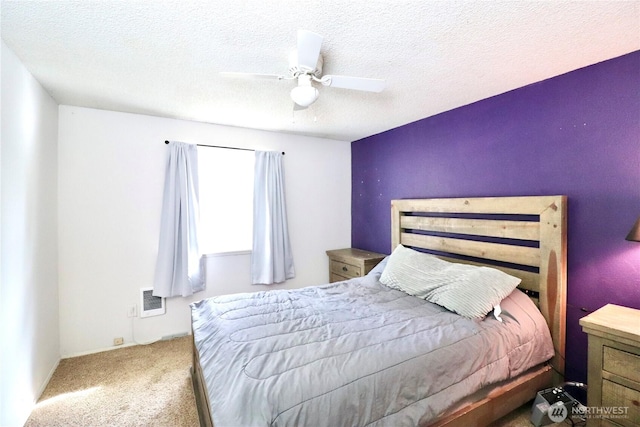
<point x="111" y="175"/>
<point x="29" y="349"/>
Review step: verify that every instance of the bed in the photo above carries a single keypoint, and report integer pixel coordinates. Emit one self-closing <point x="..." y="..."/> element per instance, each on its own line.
<point x="354" y="352"/>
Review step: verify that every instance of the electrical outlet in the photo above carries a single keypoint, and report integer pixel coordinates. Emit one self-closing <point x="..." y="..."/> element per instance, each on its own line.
<point x="118" y="341"/>
<point x="132" y="311"/>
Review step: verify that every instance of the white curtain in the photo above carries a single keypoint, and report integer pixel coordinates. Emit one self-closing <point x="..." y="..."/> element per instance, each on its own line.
<point x="271" y="261"/>
<point x="179" y="270"/>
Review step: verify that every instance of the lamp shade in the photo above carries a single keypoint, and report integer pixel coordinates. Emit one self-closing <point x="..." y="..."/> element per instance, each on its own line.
<point x="634" y="234"/>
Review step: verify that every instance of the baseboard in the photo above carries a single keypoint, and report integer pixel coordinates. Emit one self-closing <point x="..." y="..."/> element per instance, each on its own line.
<point x="46" y="381"/>
<point x="41" y="390"/>
<point x="173" y="336"/>
<point x="99" y="350"/>
<point x="128" y="344"/>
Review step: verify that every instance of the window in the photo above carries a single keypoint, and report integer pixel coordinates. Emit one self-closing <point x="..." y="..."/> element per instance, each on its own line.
<point x="226" y="199"/>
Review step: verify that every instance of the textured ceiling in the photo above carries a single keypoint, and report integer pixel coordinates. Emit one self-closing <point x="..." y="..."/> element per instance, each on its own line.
<point x="163" y="58"/>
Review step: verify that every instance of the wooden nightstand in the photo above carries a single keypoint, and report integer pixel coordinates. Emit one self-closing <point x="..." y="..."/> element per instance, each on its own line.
<point x="348" y="263"/>
<point x="614" y="364"/>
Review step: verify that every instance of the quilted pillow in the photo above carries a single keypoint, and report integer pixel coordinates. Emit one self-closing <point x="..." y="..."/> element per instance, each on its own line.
<point x="465" y="289"/>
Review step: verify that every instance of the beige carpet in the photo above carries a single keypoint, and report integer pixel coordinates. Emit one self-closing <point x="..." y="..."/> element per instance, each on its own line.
<point x="146" y="385"/>
<point x="518" y="418"/>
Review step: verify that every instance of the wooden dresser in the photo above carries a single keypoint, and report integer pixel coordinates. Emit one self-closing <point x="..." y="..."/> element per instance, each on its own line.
<point x="348" y="263"/>
<point x="614" y="365"/>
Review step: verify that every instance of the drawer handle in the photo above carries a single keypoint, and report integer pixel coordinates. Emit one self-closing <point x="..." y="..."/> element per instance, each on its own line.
<point x="345" y="269"/>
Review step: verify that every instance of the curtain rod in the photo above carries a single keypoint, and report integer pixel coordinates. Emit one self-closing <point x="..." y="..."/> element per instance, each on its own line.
<point x="220" y="146"/>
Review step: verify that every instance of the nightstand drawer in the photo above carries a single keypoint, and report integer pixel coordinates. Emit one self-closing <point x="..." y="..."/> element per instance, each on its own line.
<point x="337" y="278"/>
<point x="621" y="363"/>
<point x="625" y="399"/>
<point x="345" y="270"/>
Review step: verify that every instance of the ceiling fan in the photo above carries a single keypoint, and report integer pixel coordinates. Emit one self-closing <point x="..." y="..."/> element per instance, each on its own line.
<point x="305" y="66"/>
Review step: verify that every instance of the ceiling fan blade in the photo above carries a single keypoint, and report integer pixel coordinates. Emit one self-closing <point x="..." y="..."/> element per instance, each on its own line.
<point x="309" y="45"/>
<point x="355" y="83"/>
<point x="251" y="75"/>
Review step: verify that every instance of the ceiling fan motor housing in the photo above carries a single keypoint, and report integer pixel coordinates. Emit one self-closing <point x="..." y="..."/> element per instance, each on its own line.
<point x="295" y="69"/>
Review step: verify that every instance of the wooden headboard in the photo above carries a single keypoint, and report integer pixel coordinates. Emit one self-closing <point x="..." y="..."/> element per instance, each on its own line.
<point x="522" y="236"/>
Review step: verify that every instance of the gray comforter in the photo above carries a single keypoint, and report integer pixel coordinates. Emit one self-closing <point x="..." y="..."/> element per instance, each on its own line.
<point x="354" y="353"/>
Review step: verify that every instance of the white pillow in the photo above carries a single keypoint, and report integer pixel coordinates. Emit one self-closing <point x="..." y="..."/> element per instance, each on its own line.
<point x="465" y="289"/>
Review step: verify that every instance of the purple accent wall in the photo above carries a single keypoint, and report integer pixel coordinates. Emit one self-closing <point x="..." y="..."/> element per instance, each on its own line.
<point x="577" y="134"/>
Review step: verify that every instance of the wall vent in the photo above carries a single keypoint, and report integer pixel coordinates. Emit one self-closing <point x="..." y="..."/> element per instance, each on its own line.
<point x="150" y="305"/>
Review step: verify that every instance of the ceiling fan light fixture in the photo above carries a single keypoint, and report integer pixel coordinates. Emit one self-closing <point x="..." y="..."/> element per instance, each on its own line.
<point x="304" y="94"/>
